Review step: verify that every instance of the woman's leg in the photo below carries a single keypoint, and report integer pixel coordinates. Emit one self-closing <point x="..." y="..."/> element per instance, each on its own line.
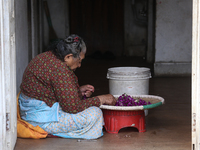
<point x="87" y="124"/>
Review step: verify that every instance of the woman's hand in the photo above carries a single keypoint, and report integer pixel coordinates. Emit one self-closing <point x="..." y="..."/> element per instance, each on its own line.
<point x="86" y="90"/>
<point x="107" y="99"/>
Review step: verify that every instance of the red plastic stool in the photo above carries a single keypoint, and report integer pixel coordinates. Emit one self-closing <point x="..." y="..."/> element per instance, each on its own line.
<point x="117" y="119"/>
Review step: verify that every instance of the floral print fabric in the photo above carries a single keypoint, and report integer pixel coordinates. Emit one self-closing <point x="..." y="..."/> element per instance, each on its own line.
<point x="87" y="124"/>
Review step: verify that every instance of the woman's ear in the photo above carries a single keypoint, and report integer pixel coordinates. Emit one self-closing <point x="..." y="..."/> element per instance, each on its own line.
<point x="67" y="57"/>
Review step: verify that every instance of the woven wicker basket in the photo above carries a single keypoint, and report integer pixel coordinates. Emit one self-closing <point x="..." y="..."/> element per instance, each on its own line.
<point x="154" y="100"/>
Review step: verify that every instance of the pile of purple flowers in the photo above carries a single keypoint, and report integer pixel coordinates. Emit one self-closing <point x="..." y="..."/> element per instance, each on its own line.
<point x="127" y="100"/>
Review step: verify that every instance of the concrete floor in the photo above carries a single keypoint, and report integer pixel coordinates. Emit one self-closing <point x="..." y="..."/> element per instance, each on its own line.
<point x="168" y="127"/>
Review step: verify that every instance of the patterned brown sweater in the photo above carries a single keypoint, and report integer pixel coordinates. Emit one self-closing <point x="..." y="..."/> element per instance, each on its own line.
<point x="48" y="79"/>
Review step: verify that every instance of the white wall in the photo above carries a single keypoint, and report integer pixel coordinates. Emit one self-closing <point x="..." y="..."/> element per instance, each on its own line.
<point x="173" y="47"/>
<point x="21" y="38"/>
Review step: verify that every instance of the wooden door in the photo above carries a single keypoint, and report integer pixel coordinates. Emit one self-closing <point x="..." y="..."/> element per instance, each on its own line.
<point x="100" y="23"/>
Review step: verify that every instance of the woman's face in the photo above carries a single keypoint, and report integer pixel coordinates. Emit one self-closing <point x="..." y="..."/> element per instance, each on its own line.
<point x="74" y="63"/>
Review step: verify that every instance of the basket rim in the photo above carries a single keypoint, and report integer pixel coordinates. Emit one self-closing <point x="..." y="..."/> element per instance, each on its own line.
<point x="133" y="108"/>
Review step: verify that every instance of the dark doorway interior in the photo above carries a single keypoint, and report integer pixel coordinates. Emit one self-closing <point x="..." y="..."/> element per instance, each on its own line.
<point x="100" y="23"/>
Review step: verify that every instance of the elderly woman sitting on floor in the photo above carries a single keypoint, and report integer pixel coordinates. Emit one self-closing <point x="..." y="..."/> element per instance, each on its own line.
<point x="51" y="97"/>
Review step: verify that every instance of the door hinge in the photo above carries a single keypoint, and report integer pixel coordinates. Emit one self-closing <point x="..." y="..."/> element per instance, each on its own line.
<point x="7" y="121"/>
<point x="194" y="122"/>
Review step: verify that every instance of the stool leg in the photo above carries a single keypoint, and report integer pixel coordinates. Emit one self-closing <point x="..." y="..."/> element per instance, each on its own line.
<point x="142" y="125"/>
<point x="110" y="125"/>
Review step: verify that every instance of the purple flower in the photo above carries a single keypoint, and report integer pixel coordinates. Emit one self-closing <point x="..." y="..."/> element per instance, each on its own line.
<point x="127" y="100"/>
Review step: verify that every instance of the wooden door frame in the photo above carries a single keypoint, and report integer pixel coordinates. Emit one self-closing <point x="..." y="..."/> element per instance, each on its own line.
<point x="195" y="122"/>
<point x="8" y="109"/>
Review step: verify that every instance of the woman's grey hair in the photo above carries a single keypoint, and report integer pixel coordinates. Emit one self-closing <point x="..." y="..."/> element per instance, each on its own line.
<point x="73" y="44"/>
